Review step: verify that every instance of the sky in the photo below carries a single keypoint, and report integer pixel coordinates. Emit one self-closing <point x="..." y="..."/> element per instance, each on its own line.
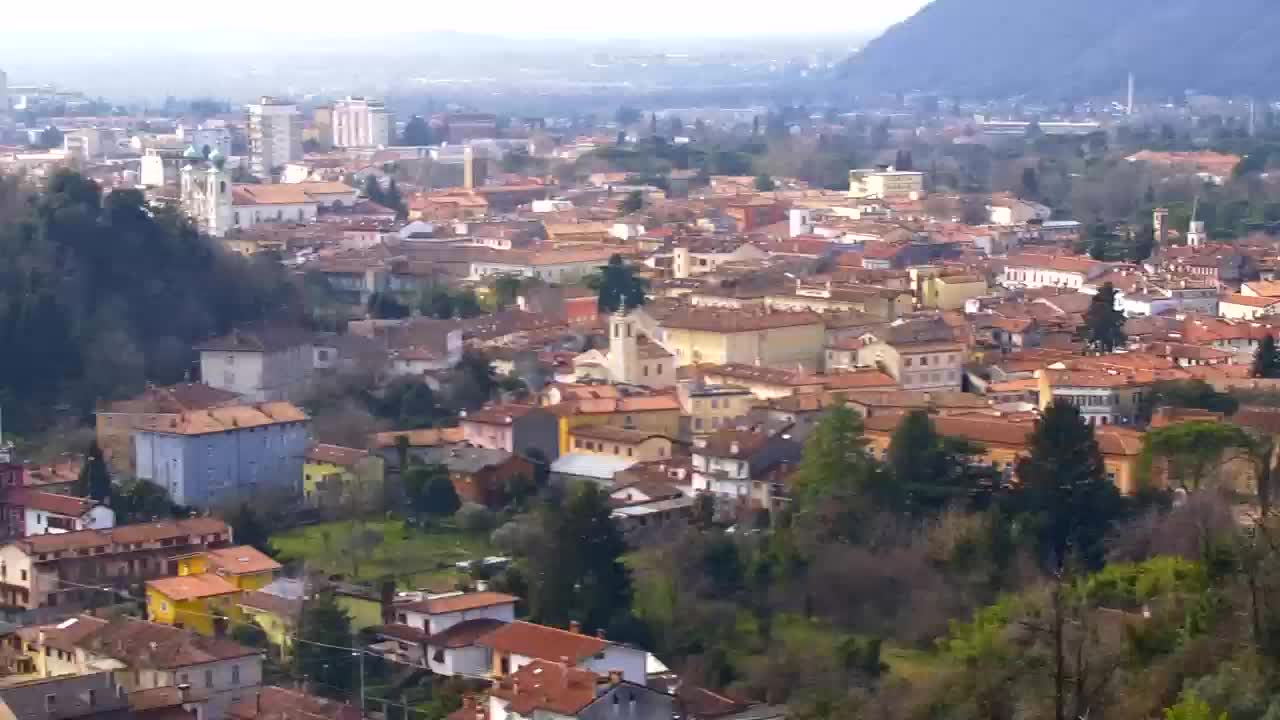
<point x="84" y="19"/>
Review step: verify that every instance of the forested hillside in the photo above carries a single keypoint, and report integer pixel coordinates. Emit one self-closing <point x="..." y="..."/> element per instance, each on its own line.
<point x="99" y="294"/>
<point x="1052" y="49"/>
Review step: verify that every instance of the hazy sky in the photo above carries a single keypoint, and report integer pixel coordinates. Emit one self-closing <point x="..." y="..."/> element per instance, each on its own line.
<point x="506" y="17"/>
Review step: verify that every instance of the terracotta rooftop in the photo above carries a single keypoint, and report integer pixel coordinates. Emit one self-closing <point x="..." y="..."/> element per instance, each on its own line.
<point x="737" y="321"/>
<point x="180" y="530"/>
<point x="542" y="641"/>
<point x="551" y="687"/>
<point x="146" y="645"/>
<point x="740" y="444"/>
<point x="335" y="455"/>
<point x="47" y="502"/>
<point x="432" y="437"/>
<point x="224" y="419"/>
<point x="282" y="607"/>
<point x="174" y="399"/>
<point x="504" y="414"/>
<point x="613" y="434"/>
<point x="465" y="633"/>
<point x="240" y="560"/>
<point x="191" y="587"/>
<point x="277" y="703"/>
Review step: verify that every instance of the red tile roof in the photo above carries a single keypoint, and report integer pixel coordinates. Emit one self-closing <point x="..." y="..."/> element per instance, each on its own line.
<point x="458" y="602"/>
<point x="542" y="641"/>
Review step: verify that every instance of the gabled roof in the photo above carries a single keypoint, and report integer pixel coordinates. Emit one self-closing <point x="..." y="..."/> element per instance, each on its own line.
<point x="457" y="602"/>
<point x="192" y="587"/>
<point x="125" y="534"/>
<point x="240" y="560"/>
<point x="66" y="505"/>
<point x="225" y="419"/>
<point x="335" y="455"/>
<point x="145" y="645"/>
<point x="277" y="703"/>
<point x="542" y="641"/>
<point x="174" y="399"/>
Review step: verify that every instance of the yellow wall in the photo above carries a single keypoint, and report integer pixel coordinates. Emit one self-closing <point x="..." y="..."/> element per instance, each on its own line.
<point x="648" y="450"/>
<point x="314" y="472"/>
<point x="277" y="630"/>
<point x="731" y="407"/>
<point x="951" y="296"/>
<point x="194" y="615"/>
<point x="772" y="347"/>
<point x="662" y="422"/>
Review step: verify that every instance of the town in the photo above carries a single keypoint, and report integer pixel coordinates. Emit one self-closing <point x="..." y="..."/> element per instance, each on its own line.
<point x="317" y="408"/>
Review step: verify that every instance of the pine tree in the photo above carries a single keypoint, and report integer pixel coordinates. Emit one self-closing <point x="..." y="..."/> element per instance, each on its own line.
<point x="95" y="480"/>
<point x="1104" y="324"/>
<point x="1066" y="501"/>
<point x="392" y="200"/>
<point x="249" y="528"/>
<point x="618" y="287"/>
<point x="323" y="623"/>
<point x="929" y="470"/>
<point x="1266" y="359"/>
<point x="577" y="573"/>
<point x="373" y="189"/>
<point x="431" y="491"/>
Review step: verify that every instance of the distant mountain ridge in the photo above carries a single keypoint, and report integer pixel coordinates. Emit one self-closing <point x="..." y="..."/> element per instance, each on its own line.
<point x="1073" y="48"/>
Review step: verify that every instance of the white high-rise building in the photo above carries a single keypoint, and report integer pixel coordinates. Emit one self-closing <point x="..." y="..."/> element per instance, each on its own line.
<point x="274" y="134"/>
<point x="361" y="122"/>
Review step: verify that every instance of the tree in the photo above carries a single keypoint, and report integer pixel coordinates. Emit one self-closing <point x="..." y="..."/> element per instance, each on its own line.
<point x="1266" y="359"/>
<point x="505" y="290"/>
<point x="472" y="382"/>
<point x="632" y="203"/>
<point x="618" y="287"/>
<point x="385" y="306"/>
<point x="430" y="490"/>
<point x="837" y="483"/>
<point x="393" y="201"/>
<point x="577" y="572"/>
<point x="321" y="653"/>
<point x="1194" y="447"/>
<point x="764" y="183"/>
<point x="1191" y="707"/>
<point x="1103" y="323"/>
<point x="1196" y="394"/>
<point x="929" y="471"/>
<point x="417" y="132"/>
<point x="95" y="480"/>
<point x="1030" y="183"/>
<point x="138" y="501"/>
<point x="51" y="137"/>
<point x="373" y="189"/>
<point x="1143" y="244"/>
<point x="1067" y="501"/>
<point x="902" y="161"/>
<point x="249" y="528"/>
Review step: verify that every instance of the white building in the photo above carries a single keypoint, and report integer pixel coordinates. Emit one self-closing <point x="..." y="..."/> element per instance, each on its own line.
<point x="1034" y="271"/>
<point x="47" y="513"/>
<point x="1012" y="211"/>
<point x="274" y="134"/>
<point x="259" y="366"/>
<point x="360" y="122"/>
<point x="206" y="140"/>
<point x="886" y="184"/>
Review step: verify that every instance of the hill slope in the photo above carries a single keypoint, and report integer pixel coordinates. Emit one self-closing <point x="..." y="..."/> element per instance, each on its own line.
<point x="1056" y="48"/>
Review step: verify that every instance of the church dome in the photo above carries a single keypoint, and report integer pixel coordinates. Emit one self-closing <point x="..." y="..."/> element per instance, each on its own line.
<point x="191" y="153"/>
<point x="217" y="158"/>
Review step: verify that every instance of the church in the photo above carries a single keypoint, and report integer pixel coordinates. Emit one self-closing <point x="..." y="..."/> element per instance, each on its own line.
<point x="632" y="358"/>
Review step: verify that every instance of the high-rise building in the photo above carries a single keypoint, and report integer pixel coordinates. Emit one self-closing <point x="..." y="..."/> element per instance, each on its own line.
<point x="360" y="122"/>
<point x="274" y="135"/>
<point x="4" y="92"/>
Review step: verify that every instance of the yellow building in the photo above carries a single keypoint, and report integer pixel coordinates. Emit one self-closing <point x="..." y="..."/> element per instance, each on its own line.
<point x="711" y="407"/>
<point x="657" y="414"/>
<point x="638" y="445"/>
<point x="245" y="567"/>
<point x="196" y="602"/>
<point x="362" y="604"/>
<point x="332" y="472"/>
<point x="770" y="339"/>
<point x="950" y="292"/>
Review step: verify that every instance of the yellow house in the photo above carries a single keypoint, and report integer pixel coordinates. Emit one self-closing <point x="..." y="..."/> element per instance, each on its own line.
<point x="244" y="566"/>
<point x="710" y="407"/>
<point x="331" y="472"/>
<point x="637" y="445"/>
<point x="771" y="339"/>
<point x="363" y="605"/>
<point x="657" y="414"/>
<point x="951" y="291"/>
<point x="196" y="602"/>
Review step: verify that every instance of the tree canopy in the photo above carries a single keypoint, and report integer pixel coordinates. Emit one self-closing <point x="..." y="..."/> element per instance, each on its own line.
<point x="618" y="287"/>
<point x="1104" y="324"/>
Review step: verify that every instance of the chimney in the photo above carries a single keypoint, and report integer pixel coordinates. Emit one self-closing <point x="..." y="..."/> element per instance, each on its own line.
<point x="575" y="627"/>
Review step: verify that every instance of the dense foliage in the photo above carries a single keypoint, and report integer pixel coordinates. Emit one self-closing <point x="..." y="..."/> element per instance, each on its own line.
<point x="99" y="293"/>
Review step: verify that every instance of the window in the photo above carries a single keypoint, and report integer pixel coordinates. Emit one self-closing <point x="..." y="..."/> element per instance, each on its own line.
<point x="906" y="362"/>
<point x="50" y="703"/>
<point x="91" y="698"/>
<point x="208" y="678"/>
<point x="235" y="674"/>
<point x="924" y="360"/>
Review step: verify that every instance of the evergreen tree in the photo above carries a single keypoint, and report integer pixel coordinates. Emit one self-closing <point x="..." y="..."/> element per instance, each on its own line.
<point x="1030" y="183"/>
<point x="764" y="183"/>
<point x="929" y="471"/>
<point x="1066" y="500"/>
<point x="1266" y="359"/>
<point x="392" y="199"/>
<point x="618" y="288"/>
<point x="1144" y="243"/>
<point x="250" y="528"/>
<point x="323" y="623"/>
<point x="902" y="161"/>
<point x="94" y="480"/>
<point x="431" y="491"/>
<point x="373" y="189"/>
<point x="577" y="571"/>
<point x="633" y="202"/>
<point x="1104" y="324"/>
<point x="837" y="482"/>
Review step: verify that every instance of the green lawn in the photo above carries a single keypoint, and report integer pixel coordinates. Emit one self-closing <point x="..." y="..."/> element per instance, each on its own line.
<point x="417" y="558"/>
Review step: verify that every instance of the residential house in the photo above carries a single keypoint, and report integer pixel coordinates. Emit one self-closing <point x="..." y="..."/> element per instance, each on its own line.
<point x="650" y="413"/>
<point x="558" y="690"/>
<point x="277" y="703"/>
<point x="1104" y="397"/>
<point x="447" y="626"/>
<point x="740" y="468"/>
<point x="418" y="442"/>
<point x="637" y="445"/>
<point x="950" y="292"/>
<point x="115" y="422"/>
<point x="773" y="339"/>
<point x="564" y="266"/>
<point x="154" y="655"/>
<point x="260" y="365"/>
<point x="92" y="696"/>
<point x="926" y="365"/>
<point x="710" y="407"/>
<point x="54" y="570"/>
<point x="1237" y="306"/>
<point x="276" y="608"/>
<point x="201" y="603"/>
<point x="333" y="474"/>
<point x="49" y="513"/>
<point x="482" y="475"/>
<point x="517" y="644"/>
<point x="221" y="455"/>
<point x="1034" y="271"/>
<point x="762" y="382"/>
<point x="1008" y="210"/>
<point x="515" y="428"/>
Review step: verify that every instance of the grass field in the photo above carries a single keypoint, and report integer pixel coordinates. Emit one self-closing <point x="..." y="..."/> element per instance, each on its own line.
<point x="372" y="549"/>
